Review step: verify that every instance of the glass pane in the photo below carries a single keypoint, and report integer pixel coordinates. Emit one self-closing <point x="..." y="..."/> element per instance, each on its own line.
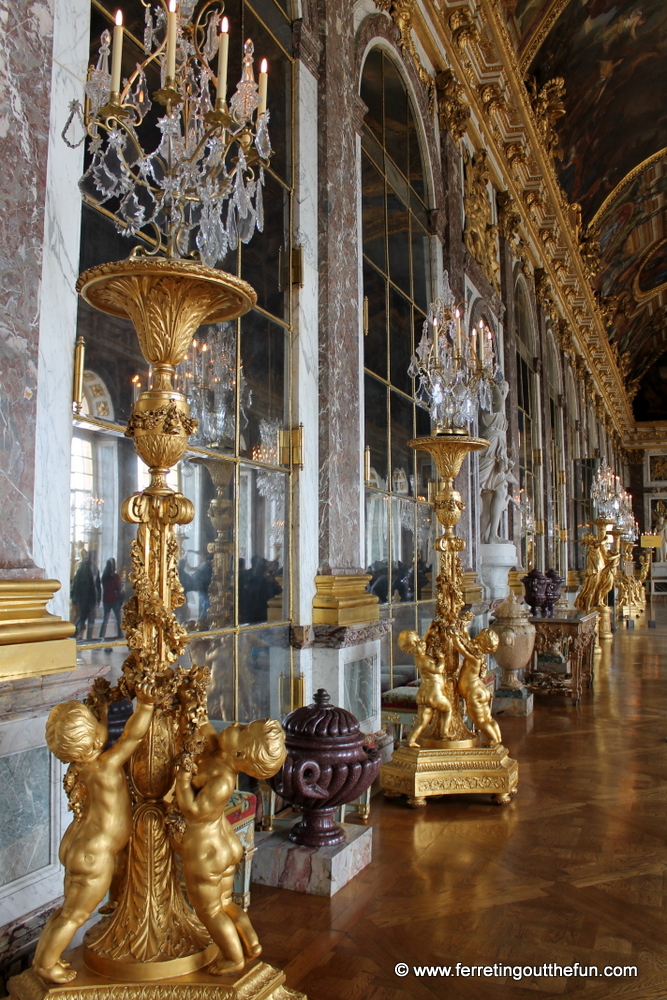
<point x="398" y="229"/>
<point x="105" y="470"/>
<point x="264" y="673"/>
<point x="371" y="92"/>
<point x="373" y="218"/>
<point x="208" y="378"/>
<point x="416" y="169"/>
<point x="421" y="277"/>
<point x="395" y="116"/>
<point x="402" y="456"/>
<point x="403" y="550"/>
<point x="206" y="564"/>
<point x="279" y="97"/>
<point x="375" y="341"/>
<point x="400" y="340"/>
<point x="262" y="541"/>
<point x="377" y="544"/>
<point x="263" y="359"/>
<point x="217" y="653"/>
<point x="260" y="257"/>
<point x="404" y="665"/>
<point x="376" y="429"/>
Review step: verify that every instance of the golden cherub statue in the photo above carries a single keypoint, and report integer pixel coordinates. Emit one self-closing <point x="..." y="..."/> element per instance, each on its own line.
<point x="471" y="684"/>
<point x="102" y="817"/>
<point x="432" y="694"/>
<point x="209" y="848"/>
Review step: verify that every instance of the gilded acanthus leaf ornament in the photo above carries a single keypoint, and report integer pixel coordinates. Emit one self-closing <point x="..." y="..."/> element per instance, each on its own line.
<point x="401" y="12"/>
<point x="548" y="107"/>
<point x="480" y="233"/>
<point x="463" y="27"/>
<point x="453" y="110"/>
<point x="509" y="220"/>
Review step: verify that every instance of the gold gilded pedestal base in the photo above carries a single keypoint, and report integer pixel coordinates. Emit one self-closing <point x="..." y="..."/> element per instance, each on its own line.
<point x="258" y="982"/>
<point x="422" y="772"/>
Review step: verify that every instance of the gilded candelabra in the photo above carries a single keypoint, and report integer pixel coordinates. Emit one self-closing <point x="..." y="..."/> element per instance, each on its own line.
<point x="442" y="755"/>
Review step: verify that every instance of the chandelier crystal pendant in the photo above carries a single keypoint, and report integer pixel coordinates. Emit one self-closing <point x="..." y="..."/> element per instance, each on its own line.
<point x="199" y="191"/>
<point x="454" y="371"/>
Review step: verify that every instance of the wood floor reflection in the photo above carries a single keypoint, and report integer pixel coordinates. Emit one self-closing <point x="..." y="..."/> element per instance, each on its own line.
<point x="574" y="870"/>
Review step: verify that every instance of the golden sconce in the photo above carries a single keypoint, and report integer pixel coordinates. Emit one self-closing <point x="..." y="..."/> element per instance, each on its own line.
<point x="442" y="756"/>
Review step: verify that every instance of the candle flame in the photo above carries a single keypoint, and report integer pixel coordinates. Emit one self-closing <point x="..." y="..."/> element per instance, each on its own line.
<point x="172" y="6"/>
<point x="119" y="17"/>
<point x="264" y="66"/>
<point x="224" y="27"/>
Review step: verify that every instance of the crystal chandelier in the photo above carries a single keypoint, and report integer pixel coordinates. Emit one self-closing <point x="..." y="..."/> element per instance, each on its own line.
<point x="199" y="192"/>
<point x="456" y="371"/>
<point x="606" y="493"/>
<point x="207" y="376"/>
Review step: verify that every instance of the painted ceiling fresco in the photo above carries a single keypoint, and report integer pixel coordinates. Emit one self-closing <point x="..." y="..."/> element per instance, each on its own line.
<point x="612" y="55"/>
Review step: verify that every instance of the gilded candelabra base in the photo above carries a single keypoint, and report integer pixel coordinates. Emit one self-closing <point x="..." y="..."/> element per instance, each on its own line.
<point x="604" y="622"/>
<point x="257" y="982"/>
<point x="424" y="772"/>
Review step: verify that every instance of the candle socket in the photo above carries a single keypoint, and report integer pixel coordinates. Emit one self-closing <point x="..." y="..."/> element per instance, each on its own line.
<point x="113" y="108"/>
<point x="220" y="115"/>
<point x="169" y="94"/>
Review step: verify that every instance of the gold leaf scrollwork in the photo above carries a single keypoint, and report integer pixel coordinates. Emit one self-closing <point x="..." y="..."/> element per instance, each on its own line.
<point x="453" y="109"/>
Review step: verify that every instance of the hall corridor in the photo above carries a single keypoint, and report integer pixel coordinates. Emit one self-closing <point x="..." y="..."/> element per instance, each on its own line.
<point x="574" y="870"/>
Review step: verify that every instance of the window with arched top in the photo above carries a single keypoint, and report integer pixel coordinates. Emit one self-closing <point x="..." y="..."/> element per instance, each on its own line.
<point x="397" y="289"/>
<point x="557" y="519"/>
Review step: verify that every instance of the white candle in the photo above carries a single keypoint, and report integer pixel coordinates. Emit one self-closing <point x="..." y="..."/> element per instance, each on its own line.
<point x="435" y="341"/>
<point x="171" y="40"/>
<point x="263" y="85"/>
<point x="458" y="332"/>
<point x="117" y="55"/>
<point x="481" y="340"/>
<point x="223" y="57"/>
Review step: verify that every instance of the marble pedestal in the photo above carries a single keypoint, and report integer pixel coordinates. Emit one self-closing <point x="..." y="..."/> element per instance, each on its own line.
<point x="513" y="701"/>
<point x="319" y="871"/>
<point x="498" y="558"/>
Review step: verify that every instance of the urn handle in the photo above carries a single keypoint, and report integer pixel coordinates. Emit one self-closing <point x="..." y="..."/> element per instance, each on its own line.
<point x="305" y="776"/>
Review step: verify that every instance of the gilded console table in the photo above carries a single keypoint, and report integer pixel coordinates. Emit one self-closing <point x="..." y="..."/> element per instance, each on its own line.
<point x="574" y="636"/>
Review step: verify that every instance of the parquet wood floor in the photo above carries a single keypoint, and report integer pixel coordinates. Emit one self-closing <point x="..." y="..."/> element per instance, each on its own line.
<point x="574" y="870"/>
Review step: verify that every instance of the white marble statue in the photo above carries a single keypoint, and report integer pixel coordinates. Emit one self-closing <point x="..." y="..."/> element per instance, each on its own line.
<point x="495" y="465"/>
<point x="660" y="528"/>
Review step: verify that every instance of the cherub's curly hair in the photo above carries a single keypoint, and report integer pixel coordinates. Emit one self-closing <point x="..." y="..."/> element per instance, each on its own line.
<point x="70" y="731"/>
<point x="263" y="743"/>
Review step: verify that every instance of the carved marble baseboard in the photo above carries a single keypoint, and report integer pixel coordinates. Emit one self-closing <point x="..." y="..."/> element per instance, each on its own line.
<point x="258" y="982"/>
<point x="318" y="871"/>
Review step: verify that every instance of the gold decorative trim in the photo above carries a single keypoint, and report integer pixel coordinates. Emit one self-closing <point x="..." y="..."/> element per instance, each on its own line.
<point x="628" y="179"/>
<point x="638" y="294"/>
<point x="344" y="600"/>
<point x="37" y="658"/>
<point x="472" y="589"/>
<point x="533" y="38"/>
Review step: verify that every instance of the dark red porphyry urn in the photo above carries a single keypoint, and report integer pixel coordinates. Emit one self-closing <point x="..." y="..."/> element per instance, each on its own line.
<point x="327" y="765"/>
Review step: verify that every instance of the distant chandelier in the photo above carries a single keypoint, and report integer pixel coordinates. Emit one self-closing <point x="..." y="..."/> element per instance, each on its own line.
<point x="456" y="372"/>
<point x="200" y="191"/>
<point x="613" y="503"/>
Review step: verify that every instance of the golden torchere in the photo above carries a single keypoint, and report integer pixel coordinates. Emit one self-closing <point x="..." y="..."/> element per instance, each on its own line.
<point x="160" y="791"/>
<point x="611" y="556"/>
<point x="442" y="755"/>
<point x="630" y="596"/>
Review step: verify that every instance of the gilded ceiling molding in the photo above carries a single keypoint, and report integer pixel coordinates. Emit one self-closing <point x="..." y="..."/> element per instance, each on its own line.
<point x="526" y="169"/>
<point x="453" y="109"/>
<point x="548" y="107"/>
<point x="463" y="27"/>
<point x="628" y="179"/>
<point x="531" y="43"/>
<point x="480" y="233"/>
<point x="493" y="99"/>
<point x="509" y="220"/>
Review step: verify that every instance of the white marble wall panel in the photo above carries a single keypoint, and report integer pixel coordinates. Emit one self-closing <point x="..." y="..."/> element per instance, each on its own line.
<point x="305" y="350"/>
<point x="58" y="300"/>
<point x="329" y="672"/>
